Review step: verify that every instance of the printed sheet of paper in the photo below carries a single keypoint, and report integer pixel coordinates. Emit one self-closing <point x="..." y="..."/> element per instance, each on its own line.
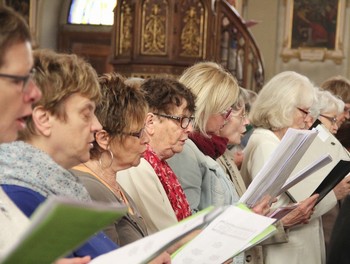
<point x="279" y="167"/>
<point x="145" y="249"/>
<point x="230" y="233"/>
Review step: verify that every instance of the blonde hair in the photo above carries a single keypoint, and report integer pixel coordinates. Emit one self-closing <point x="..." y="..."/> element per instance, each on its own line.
<point x="216" y="90"/>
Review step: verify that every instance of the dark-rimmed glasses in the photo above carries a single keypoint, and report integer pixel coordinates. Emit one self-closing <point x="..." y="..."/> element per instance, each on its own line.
<point x="304" y="111"/>
<point x="333" y="120"/>
<point x="19" y="78"/>
<point x="184" y="121"/>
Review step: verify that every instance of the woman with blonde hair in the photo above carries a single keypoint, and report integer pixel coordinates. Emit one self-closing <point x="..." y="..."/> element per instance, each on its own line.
<point x="202" y="178"/>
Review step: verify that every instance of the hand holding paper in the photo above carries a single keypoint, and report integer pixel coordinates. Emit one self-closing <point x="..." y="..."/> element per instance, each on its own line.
<point x="302" y="213"/>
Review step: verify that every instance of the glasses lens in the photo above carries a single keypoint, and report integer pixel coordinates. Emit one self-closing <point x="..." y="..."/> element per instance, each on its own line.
<point x="27" y="79"/>
<point x="185" y="121"/>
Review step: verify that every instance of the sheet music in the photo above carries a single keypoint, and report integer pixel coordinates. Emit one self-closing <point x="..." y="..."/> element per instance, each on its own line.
<point x="229" y="234"/>
<point x="278" y="168"/>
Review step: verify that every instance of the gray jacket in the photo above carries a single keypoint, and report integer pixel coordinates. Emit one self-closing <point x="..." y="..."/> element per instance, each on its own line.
<point x="202" y="178"/>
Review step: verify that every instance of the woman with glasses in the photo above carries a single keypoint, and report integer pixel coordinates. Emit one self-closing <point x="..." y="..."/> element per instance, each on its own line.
<point x="340" y="87"/>
<point x="202" y="178"/>
<point x="153" y="185"/>
<point x="119" y="145"/>
<point x="283" y="103"/>
<point x="327" y="108"/>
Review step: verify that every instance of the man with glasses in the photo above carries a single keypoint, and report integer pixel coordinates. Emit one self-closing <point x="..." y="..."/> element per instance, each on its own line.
<point x="18" y="93"/>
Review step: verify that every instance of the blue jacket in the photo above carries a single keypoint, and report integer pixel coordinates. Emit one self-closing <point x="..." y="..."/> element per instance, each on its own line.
<point x="28" y="200"/>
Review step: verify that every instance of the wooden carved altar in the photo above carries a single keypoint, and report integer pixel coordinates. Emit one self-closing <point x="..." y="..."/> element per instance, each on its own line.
<point x="163" y="37"/>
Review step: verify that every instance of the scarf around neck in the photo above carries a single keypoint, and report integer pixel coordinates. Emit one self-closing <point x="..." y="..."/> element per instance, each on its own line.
<point x="213" y="146"/>
<point x="170" y="184"/>
<point x="24" y="165"/>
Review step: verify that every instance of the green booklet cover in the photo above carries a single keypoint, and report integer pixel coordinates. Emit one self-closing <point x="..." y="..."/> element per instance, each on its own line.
<point x="57" y="227"/>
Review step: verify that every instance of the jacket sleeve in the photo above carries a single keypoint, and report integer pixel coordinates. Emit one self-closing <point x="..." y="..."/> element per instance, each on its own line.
<point x="187" y="168"/>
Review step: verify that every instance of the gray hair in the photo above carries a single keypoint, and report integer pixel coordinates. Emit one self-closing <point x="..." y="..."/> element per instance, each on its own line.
<point x="277" y="101"/>
<point x="326" y="102"/>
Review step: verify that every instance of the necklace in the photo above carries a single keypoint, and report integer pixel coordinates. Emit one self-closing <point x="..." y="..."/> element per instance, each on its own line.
<point x="111" y="184"/>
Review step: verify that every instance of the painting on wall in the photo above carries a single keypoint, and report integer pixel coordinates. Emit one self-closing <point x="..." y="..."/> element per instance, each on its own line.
<point x="313" y="30"/>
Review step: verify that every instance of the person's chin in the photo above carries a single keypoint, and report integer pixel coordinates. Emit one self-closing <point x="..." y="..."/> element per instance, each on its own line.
<point x="9" y="137"/>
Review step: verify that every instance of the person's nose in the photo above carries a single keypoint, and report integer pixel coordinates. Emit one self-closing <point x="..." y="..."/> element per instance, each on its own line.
<point x="95" y="125"/>
<point x="32" y="93"/>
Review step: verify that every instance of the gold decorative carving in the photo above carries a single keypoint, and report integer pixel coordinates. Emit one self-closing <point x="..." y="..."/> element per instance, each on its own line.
<point x="126" y="21"/>
<point x="154" y="30"/>
<point x="193" y="32"/>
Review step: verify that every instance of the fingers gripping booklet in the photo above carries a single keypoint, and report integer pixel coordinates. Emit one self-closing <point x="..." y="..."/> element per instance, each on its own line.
<point x="59" y="226"/>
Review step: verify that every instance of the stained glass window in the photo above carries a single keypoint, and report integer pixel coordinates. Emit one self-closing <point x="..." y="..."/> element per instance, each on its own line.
<point x="92" y="12"/>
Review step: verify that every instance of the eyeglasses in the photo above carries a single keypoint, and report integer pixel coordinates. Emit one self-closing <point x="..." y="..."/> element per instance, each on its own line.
<point x="241" y="116"/>
<point x="137" y="134"/>
<point x="304" y="111"/>
<point x="227" y="113"/>
<point x="333" y="120"/>
<point x="21" y="79"/>
<point x="184" y="121"/>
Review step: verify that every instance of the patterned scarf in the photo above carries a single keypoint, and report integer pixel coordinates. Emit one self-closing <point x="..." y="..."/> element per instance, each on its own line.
<point x="213" y="146"/>
<point x="170" y="184"/>
<point x="23" y="165"/>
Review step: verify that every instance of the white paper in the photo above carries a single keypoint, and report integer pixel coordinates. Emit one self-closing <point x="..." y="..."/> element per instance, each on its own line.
<point x="307" y="171"/>
<point x="142" y="250"/>
<point x="229" y="234"/>
<point x="324" y="143"/>
<point x="279" y="166"/>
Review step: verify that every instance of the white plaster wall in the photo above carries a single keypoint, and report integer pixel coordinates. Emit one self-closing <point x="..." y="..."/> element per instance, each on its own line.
<point x="48" y="14"/>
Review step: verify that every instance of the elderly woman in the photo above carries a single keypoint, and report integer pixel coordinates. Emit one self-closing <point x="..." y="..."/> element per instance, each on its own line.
<point x="340" y="87"/>
<point x="284" y="102"/>
<point x="327" y="108"/>
<point x="153" y="185"/>
<point x="233" y="131"/>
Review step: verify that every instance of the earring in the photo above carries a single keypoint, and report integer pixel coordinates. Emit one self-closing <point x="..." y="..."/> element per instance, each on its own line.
<point x="111" y="157"/>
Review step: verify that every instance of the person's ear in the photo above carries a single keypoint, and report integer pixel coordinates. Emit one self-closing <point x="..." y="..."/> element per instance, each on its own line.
<point x="102" y="138"/>
<point x="42" y="120"/>
<point x="149" y="123"/>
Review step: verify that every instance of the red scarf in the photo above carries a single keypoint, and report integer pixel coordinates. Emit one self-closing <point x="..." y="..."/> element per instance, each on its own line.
<point x="170" y="184"/>
<point x="213" y="146"/>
